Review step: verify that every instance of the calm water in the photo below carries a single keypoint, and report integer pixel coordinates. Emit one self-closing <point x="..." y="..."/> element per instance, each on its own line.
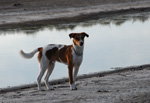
<point x="113" y="42"/>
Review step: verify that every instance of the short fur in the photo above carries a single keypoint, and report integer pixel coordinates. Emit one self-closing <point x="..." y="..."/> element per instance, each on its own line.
<point x="71" y="55"/>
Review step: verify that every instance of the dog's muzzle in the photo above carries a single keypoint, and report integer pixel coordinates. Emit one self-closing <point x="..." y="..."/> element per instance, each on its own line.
<point x="81" y="43"/>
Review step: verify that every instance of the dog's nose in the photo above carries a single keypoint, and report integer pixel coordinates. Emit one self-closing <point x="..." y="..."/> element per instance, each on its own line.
<point x="81" y="44"/>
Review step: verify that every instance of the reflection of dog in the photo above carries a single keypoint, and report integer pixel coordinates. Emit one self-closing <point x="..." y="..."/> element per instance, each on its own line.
<point x="68" y="54"/>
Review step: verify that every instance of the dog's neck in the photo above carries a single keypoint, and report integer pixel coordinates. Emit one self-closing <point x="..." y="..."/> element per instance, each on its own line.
<point x="78" y="50"/>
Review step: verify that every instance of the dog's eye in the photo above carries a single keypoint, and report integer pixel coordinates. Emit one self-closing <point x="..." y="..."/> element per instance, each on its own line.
<point x="77" y="38"/>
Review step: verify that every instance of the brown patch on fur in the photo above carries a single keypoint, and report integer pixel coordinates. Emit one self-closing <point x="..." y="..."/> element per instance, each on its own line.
<point x="70" y="63"/>
<point x="77" y="37"/>
<point x="40" y="54"/>
<point x="76" y="42"/>
<point x="72" y="35"/>
<point x="63" y="55"/>
<point x="52" y="54"/>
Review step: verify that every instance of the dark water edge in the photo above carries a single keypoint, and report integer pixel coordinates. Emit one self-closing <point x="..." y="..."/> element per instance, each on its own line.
<point x="83" y="76"/>
<point x="70" y="23"/>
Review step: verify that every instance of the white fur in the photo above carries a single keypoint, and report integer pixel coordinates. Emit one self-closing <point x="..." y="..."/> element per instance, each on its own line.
<point x="45" y="64"/>
<point x="77" y="59"/>
<point x="73" y="87"/>
<point x="48" y="47"/>
<point x="28" y="55"/>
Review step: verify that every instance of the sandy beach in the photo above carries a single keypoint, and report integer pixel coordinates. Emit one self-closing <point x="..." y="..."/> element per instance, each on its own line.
<point x="121" y="85"/>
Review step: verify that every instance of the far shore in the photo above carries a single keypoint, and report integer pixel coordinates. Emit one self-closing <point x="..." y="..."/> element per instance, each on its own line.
<point x="22" y="13"/>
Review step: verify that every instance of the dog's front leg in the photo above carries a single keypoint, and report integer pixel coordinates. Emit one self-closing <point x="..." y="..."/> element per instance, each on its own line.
<point x="70" y="69"/>
<point x="75" y="73"/>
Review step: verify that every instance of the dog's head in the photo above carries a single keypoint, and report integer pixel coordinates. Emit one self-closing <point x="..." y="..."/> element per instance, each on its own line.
<point x="78" y="38"/>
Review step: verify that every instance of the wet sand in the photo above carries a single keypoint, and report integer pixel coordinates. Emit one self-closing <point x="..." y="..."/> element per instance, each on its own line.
<point x="25" y="13"/>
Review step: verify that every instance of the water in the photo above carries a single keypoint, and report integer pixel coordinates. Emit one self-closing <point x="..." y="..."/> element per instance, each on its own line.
<point x="113" y="42"/>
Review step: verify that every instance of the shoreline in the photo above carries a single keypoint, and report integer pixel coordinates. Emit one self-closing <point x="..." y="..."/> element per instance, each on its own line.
<point x="19" y="16"/>
<point x="123" y="85"/>
<point x="83" y="76"/>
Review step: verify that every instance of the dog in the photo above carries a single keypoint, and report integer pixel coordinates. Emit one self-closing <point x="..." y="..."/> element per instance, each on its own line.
<point x="72" y="55"/>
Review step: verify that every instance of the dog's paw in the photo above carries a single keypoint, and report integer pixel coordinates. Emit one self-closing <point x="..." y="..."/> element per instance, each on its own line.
<point x="41" y="89"/>
<point x="73" y="87"/>
<point x="50" y="88"/>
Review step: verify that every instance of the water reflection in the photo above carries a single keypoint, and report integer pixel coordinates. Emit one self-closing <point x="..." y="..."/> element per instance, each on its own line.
<point x="116" y="20"/>
<point x="117" y="41"/>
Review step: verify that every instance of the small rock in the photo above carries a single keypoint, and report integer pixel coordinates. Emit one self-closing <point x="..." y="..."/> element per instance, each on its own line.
<point x="17" y="4"/>
<point x="105" y="91"/>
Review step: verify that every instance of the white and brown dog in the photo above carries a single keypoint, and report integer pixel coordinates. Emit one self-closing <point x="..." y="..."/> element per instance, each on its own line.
<point x="71" y="55"/>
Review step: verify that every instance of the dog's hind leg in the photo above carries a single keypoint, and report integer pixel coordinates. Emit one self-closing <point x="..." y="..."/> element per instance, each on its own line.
<point x="43" y="67"/>
<point x="49" y="71"/>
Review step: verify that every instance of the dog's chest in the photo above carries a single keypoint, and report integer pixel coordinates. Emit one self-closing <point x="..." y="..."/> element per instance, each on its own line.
<point x="77" y="60"/>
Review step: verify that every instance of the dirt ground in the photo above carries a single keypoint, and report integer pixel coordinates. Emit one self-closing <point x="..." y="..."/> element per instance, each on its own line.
<point x="126" y="85"/>
<point x="22" y="13"/>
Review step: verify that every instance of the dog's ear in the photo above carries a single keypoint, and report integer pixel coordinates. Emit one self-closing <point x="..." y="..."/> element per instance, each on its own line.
<point x="71" y="35"/>
<point x="85" y="34"/>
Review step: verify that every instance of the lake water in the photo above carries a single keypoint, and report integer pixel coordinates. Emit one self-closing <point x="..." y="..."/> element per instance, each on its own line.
<point x="113" y="42"/>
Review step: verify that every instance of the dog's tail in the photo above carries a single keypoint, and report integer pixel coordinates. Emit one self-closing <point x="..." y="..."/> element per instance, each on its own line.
<point x="29" y="55"/>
